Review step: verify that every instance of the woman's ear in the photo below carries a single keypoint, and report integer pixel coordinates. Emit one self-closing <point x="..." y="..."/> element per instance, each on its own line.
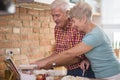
<point x="67" y="12"/>
<point x="84" y="19"/>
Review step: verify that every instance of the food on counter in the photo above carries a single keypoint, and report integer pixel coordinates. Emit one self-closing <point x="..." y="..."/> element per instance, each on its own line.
<point x="74" y="78"/>
<point x="41" y="77"/>
<point x="50" y="78"/>
<point x="28" y="66"/>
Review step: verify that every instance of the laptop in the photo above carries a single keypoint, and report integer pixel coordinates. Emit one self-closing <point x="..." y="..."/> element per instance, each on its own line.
<point x="19" y="75"/>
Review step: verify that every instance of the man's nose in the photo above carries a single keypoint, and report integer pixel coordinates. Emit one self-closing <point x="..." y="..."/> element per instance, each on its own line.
<point x="54" y="18"/>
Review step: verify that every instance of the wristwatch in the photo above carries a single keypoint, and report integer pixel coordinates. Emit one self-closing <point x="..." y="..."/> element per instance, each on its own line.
<point x="53" y="63"/>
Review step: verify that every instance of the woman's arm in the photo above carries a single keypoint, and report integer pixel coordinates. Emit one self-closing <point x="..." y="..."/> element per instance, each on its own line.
<point x="64" y="58"/>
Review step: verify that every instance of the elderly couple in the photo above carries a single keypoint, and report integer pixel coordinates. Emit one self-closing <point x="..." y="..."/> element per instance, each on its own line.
<point x="80" y="42"/>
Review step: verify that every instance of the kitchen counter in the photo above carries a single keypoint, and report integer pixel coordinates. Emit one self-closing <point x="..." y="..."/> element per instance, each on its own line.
<point x="75" y="78"/>
<point x="59" y="75"/>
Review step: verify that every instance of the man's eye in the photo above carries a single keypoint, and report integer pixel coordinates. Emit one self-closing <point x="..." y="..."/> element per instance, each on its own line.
<point x="57" y="15"/>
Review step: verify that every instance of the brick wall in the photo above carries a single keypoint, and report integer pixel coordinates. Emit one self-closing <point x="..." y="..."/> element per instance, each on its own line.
<point x="28" y="33"/>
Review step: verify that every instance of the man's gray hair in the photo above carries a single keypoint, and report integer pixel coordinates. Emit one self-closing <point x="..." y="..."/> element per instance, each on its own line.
<point x="63" y="4"/>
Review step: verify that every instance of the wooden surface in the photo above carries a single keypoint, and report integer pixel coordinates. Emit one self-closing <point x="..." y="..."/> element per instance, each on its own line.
<point x="59" y="78"/>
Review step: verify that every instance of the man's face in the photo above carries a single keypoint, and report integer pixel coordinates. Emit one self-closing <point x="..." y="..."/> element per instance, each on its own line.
<point x="60" y="17"/>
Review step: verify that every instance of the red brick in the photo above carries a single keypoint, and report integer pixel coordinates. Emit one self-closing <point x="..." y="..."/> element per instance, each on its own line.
<point x="13" y="37"/>
<point x="46" y="36"/>
<point x="2" y="17"/>
<point x="26" y="30"/>
<point x="52" y="30"/>
<point x="33" y="12"/>
<point x="30" y="44"/>
<point x="46" y="30"/>
<point x="5" y="44"/>
<point x="48" y="48"/>
<point x="35" y="23"/>
<point x="23" y="10"/>
<point x="33" y="50"/>
<point x="25" y="43"/>
<point x="20" y="57"/>
<point x="16" y="44"/>
<point x="26" y="23"/>
<point x="50" y="36"/>
<point x="45" y="24"/>
<point x="44" y="42"/>
<point x="16" y="17"/>
<point x="33" y="37"/>
<point x="3" y="22"/>
<point x="18" y="23"/>
<point x="24" y="37"/>
<point x="33" y="60"/>
<point x="41" y="30"/>
<point x="2" y="51"/>
<point x="15" y="23"/>
<point x="9" y="16"/>
<point x="42" y="49"/>
<point x="51" y="19"/>
<point x="2" y="66"/>
<point x="6" y="17"/>
<point x="36" y="18"/>
<point x="17" y="10"/>
<point x="35" y="56"/>
<point x="36" y="34"/>
<point x="24" y="51"/>
<point x="44" y="19"/>
<point x="2" y="37"/>
<point x="42" y="36"/>
<point x="39" y="55"/>
<point x="5" y="30"/>
<point x="47" y="12"/>
<point x="42" y="13"/>
<point x="34" y="43"/>
<point x="52" y="25"/>
<point x="25" y="17"/>
<point x="36" y="30"/>
<point x="2" y="58"/>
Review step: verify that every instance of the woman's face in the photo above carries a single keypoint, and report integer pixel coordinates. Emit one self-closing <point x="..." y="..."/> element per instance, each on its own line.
<point x="77" y="23"/>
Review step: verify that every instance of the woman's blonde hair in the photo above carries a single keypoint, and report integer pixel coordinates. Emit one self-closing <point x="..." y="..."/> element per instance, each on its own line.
<point x="81" y="9"/>
<point x="63" y="4"/>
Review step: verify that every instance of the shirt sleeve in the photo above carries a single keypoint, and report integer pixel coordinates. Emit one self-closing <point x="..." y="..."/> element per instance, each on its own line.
<point x="93" y="40"/>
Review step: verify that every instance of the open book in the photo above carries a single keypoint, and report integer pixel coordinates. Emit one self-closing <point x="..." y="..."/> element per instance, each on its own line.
<point x="19" y="75"/>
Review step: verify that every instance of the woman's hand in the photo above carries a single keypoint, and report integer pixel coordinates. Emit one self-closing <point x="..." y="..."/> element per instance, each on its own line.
<point x="84" y="64"/>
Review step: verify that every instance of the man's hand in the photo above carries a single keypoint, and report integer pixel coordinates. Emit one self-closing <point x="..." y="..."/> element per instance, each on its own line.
<point x="84" y="64"/>
<point x="40" y="64"/>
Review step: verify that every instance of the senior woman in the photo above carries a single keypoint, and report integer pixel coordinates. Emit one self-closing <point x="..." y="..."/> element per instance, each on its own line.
<point x="95" y="45"/>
